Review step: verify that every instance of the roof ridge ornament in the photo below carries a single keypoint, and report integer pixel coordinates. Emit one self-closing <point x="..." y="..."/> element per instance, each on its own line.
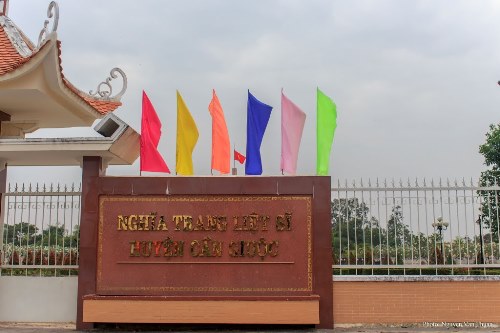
<point x="4" y="7"/>
<point x="52" y="11"/>
<point x="105" y="90"/>
<point x="15" y="37"/>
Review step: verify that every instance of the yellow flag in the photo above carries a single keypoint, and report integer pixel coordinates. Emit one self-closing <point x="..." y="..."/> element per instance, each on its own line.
<point x="187" y="136"/>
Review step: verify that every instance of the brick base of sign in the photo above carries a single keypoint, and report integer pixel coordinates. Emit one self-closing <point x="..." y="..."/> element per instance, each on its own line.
<point x="301" y="311"/>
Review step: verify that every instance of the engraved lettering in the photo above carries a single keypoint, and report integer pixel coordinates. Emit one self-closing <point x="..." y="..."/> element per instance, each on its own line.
<point x="252" y="248"/>
<point x="122" y="222"/>
<point x="262" y="248"/>
<point x="143" y="222"/>
<point x="157" y="246"/>
<point x="235" y="249"/>
<point x="188" y="222"/>
<point x="252" y="222"/>
<point x="146" y="248"/>
<point x="236" y="224"/>
<point x="132" y="222"/>
<point x="211" y="222"/>
<point x="178" y="220"/>
<point x="195" y="248"/>
<point x="152" y="220"/>
<point x="265" y="219"/>
<point x="284" y="222"/>
<point x="272" y="248"/>
<point x="207" y="247"/>
<point x="135" y="249"/>
<point x="221" y="223"/>
<point x="173" y="248"/>
<point x="199" y="224"/>
<point x="162" y="225"/>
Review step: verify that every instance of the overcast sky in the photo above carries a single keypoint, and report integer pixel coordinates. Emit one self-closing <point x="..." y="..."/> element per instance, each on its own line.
<point x="414" y="81"/>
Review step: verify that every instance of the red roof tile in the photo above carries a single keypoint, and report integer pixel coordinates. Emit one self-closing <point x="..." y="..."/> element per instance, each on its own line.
<point x="101" y="106"/>
<point x="10" y="59"/>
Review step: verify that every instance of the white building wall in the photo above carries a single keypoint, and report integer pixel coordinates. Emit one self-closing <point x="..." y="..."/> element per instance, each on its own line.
<point x="38" y="299"/>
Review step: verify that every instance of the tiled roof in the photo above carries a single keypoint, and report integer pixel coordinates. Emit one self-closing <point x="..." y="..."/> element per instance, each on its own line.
<point x="11" y="60"/>
<point x="101" y="106"/>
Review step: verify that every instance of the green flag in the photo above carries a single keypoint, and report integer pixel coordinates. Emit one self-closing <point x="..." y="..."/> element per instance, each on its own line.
<point x="326" y="122"/>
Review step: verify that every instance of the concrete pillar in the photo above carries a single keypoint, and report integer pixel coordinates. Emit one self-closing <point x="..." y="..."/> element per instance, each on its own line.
<point x="92" y="169"/>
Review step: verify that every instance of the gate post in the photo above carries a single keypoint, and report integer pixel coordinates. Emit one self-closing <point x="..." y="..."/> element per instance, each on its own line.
<point x="92" y="169"/>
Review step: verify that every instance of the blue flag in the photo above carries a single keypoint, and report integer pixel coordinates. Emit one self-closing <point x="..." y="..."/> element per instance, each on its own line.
<point x="258" y="115"/>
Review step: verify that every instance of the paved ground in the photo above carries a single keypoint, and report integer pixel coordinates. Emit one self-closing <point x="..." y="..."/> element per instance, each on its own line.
<point x="435" y="328"/>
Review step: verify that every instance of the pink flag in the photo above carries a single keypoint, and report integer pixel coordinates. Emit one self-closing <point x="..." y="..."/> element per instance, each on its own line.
<point x="292" y="125"/>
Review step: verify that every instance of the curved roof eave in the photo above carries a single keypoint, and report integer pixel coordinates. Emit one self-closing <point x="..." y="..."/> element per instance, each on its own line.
<point x="95" y="106"/>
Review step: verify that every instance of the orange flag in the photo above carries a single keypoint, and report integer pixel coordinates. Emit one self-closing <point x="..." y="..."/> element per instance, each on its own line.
<point x="221" y="152"/>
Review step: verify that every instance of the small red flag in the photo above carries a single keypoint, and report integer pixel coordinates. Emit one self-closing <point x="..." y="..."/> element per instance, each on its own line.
<point x="151" y="159"/>
<point x="239" y="157"/>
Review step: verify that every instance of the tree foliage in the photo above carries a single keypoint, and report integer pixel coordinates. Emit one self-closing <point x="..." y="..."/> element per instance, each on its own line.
<point x="398" y="233"/>
<point x="24" y="233"/>
<point x="351" y="226"/>
<point x="491" y="199"/>
<point x="491" y="148"/>
<point x="20" y="233"/>
<point x="360" y="239"/>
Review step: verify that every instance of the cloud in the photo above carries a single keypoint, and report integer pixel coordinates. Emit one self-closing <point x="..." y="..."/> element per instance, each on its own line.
<point x="414" y="81"/>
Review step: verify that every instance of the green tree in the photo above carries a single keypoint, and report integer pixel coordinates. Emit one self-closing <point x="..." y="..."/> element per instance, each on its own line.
<point x="354" y="234"/>
<point x="73" y="239"/>
<point x="491" y="177"/>
<point x="397" y="232"/>
<point x="22" y="233"/>
<point x="53" y="235"/>
<point x="402" y="243"/>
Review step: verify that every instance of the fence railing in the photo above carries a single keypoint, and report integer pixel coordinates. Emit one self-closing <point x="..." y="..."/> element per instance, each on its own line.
<point x="411" y="228"/>
<point x="415" y="228"/>
<point x="40" y="234"/>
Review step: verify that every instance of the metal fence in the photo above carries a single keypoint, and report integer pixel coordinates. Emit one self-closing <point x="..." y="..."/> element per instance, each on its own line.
<point x="40" y="233"/>
<point x="415" y="228"/>
<point x="411" y="228"/>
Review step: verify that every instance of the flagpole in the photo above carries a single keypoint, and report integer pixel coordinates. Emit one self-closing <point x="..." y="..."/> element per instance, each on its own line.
<point x="234" y="171"/>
